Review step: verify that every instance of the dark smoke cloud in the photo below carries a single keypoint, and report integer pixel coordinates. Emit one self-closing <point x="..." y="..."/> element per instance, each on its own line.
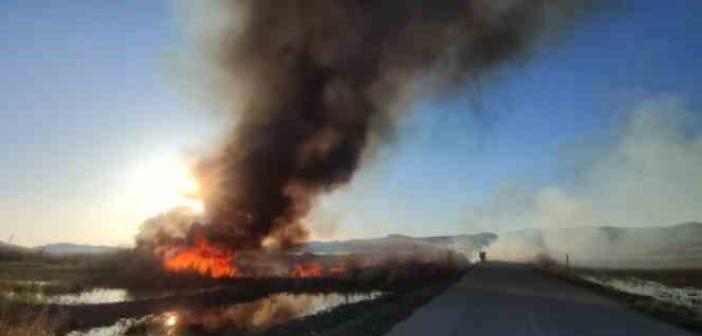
<point x="317" y="82"/>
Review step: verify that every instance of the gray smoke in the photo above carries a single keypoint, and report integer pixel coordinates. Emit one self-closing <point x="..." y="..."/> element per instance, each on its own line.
<point x="627" y="194"/>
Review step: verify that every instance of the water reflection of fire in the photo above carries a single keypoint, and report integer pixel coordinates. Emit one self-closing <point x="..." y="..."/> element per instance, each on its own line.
<point x="171" y="320"/>
<point x="203" y="257"/>
<point x="240" y="318"/>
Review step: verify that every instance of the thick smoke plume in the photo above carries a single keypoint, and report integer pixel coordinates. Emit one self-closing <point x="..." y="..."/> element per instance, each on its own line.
<point x="313" y="84"/>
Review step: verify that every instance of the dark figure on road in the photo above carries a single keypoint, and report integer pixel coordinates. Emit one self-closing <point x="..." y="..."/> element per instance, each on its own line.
<point x="482" y="256"/>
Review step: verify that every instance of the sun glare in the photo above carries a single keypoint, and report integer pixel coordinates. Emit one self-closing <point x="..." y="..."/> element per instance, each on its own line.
<point x="165" y="184"/>
<point x="171" y="320"/>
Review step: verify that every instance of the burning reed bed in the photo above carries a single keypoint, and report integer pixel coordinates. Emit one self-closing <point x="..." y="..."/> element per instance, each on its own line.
<point x="393" y="275"/>
<point x="153" y="289"/>
<point x="394" y="278"/>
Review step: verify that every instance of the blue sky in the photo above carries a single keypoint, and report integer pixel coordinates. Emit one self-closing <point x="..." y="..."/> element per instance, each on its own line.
<point x="92" y="93"/>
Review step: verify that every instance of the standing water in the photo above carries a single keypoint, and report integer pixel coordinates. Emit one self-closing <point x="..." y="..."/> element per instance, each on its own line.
<point x="260" y="314"/>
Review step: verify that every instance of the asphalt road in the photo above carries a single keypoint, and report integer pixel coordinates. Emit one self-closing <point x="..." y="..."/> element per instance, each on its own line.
<point x="510" y="299"/>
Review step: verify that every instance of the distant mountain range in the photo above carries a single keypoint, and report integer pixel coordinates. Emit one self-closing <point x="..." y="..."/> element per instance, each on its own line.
<point x="400" y="243"/>
<point x="604" y="246"/>
<point x="69" y="249"/>
<point x="57" y="249"/>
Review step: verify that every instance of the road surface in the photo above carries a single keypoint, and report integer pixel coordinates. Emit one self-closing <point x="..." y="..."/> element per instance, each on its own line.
<point x="510" y="299"/>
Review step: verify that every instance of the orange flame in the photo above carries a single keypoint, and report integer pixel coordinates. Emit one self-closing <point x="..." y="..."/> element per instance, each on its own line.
<point x="204" y="258"/>
<point x="310" y="270"/>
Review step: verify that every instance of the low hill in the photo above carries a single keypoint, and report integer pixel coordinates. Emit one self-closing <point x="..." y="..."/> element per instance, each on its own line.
<point x="11" y="252"/>
<point x="401" y="243"/>
<point x="73" y="249"/>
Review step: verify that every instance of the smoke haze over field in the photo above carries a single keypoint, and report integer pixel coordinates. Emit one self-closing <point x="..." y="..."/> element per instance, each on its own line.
<point x="648" y="175"/>
<point x="626" y="193"/>
<point x="314" y="85"/>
